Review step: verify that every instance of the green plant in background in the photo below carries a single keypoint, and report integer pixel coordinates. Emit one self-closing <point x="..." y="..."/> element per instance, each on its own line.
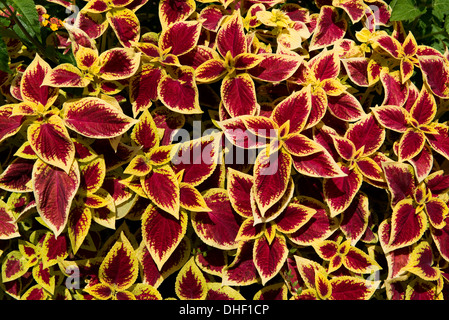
<point x="427" y="19"/>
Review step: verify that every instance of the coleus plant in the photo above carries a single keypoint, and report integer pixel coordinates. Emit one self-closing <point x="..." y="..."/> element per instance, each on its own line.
<point x="243" y="149"/>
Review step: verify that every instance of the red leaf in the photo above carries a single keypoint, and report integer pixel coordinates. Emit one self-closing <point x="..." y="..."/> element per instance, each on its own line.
<point x="119" y="268"/>
<point x="125" y="24"/>
<point x="231" y="36"/>
<point x="436" y="210"/>
<point x="95" y="118"/>
<point x="242" y="270"/>
<point x="400" y="180"/>
<point x="180" y="94"/>
<point x="277" y="291"/>
<point x="249" y="230"/>
<point x="97" y="6"/>
<point x="407" y="225"/>
<point x="392" y="117"/>
<point x="357" y="70"/>
<point x="421" y="290"/>
<point x="326" y="249"/>
<point x="100" y="291"/>
<point x="212" y="261"/>
<point x="65" y="75"/>
<point x="80" y="219"/>
<point x="390" y="45"/>
<point x="355" y="218"/>
<point x="53" y="249"/>
<point x="78" y="39"/>
<point x="441" y="238"/>
<point x="54" y="191"/>
<point x="143" y="87"/>
<point x="411" y="144"/>
<point x="269" y="258"/>
<point x="396" y="92"/>
<point x="319" y="226"/>
<point x="339" y="192"/>
<point x="440" y="141"/>
<point x="260" y="126"/>
<point x="352" y="288"/>
<point x="319" y="107"/>
<point x="236" y="133"/>
<point x="420" y="262"/>
<point x="190" y="282"/>
<point x="299" y="145"/>
<point x="44" y="277"/>
<point x="322" y="285"/>
<point x="344" y="147"/>
<point x="320" y="164"/>
<point x="295" y="108"/>
<point x="191" y="199"/>
<point x="366" y="133"/>
<point x="326" y="65"/>
<point x="212" y="15"/>
<point x="151" y="275"/>
<point x="355" y="9"/>
<point x="172" y="11"/>
<point x="31" y="87"/>
<point x="93" y="174"/>
<point x="239" y="186"/>
<point x="424" y="109"/>
<point x="118" y="63"/>
<point x="275" y="67"/>
<point x="345" y="107"/>
<point x="436" y="73"/>
<point x="210" y="71"/>
<point x="271" y="176"/>
<point x="328" y="30"/>
<point x="198" y="159"/>
<point x="9" y="125"/>
<point x="168" y="120"/>
<point x="437" y="182"/>
<point x="276" y="209"/>
<point x="162" y="233"/>
<point x="238" y="94"/>
<point x="85" y="58"/>
<point x="181" y="37"/>
<point x="162" y="188"/>
<point x="17" y="175"/>
<point x="247" y="61"/>
<point x="52" y="143"/>
<point x="93" y="24"/>
<point x="8" y="226"/>
<point x="219" y="226"/>
<point x="145" y="132"/>
<point x="406" y="68"/>
<point x="358" y="261"/>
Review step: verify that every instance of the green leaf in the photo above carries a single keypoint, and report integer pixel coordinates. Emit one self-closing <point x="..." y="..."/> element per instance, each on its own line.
<point x="405" y="10"/>
<point x="4" y="58"/>
<point x="441" y="6"/>
<point x="22" y="36"/>
<point x="29" y="18"/>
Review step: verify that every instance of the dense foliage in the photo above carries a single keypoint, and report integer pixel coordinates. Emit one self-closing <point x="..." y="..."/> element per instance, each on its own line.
<point x="228" y="149"/>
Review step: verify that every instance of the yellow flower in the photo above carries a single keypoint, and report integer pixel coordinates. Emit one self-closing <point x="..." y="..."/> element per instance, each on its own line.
<point x="45" y="21"/>
<point x="55" y="23"/>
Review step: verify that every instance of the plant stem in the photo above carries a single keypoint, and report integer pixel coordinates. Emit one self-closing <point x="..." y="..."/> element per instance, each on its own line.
<point x="429" y="35"/>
